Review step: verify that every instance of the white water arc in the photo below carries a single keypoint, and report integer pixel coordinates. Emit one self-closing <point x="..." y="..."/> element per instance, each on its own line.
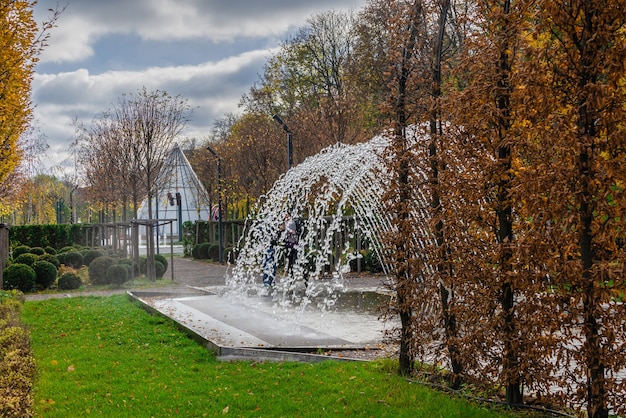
<point x="340" y="180"/>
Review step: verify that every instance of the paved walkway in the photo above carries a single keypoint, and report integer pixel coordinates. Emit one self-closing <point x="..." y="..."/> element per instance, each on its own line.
<point x="190" y="274"/>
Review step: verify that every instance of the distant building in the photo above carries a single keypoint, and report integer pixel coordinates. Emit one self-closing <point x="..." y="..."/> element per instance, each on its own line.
<point x="178" y="191"/>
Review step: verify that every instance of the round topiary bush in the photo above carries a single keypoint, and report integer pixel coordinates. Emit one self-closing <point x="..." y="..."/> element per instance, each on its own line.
<point x="46" y="273"/>
<point x="213" y="252"/>
<point x="71" y="259"/>
<point x="117" y="274"/>
<point x="20" y="249"/>
<point x="91" y="254"/>
<point x="203" y="252"/>
<point x="69" y="281"/>
<point x="19" y="276"/>
<point x="133" y="268"/>
<point x="98" y="270"/>
<point x="195" y="251"/>
<point x="161" y="259"/>
<point x="50" y="250"/>
<point x="159" y="269"/>
<point x="26" y="258"/>
<point x="50" y="258"/>
<point x="38" y="250"/>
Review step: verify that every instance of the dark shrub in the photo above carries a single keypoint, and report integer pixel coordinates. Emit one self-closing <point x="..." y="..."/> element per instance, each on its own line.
<point x="195" y="251"/>
<point x="213" y="252"/>
<point x="143" y="263"/>
<point x="231" y="254"/>
<point x="67" y="249"/>
<point x="69" y="281"/>
<point x="46" y="273"/>
<point x="161" y="259"/>
<point x="90" y="255"/>
<point x="203" y="250"/>
<point x="50" y="250"/>
<point x="37" y="250"/>
<point x="71" y="259"/>
<point x="50" y="258"/>
<point x="372" y="262"/>
<point x="26" y="258"/>
<point x="159" y="269"/>
<point x="98" y="269"/>
<point x="133" y="267"/>
<point x="20" y="249"/>
<point x="129" y="269"/>
<point x="354" y="260"/>
<point x="117" y="274"/>
<point x="20" y="277"/>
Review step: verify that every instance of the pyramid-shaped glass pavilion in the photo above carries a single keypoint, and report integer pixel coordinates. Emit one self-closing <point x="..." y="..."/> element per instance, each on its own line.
<point x="178" y="192"/>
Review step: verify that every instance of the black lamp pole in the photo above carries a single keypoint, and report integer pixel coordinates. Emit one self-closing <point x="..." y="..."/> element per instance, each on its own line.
<point x="289" y="144"/>
<point x="219" y="203"/>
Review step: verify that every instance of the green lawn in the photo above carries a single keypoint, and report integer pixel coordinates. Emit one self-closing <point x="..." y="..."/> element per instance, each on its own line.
<point x="105" y="356"/>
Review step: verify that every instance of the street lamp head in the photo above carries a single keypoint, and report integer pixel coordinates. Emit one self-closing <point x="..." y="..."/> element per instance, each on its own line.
<point x="212" y="152"/>
<point x="280" y="121"/>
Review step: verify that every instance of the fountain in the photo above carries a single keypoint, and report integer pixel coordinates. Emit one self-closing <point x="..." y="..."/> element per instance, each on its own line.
<point x="311" y="305"/>
<point x="319" y="192"/>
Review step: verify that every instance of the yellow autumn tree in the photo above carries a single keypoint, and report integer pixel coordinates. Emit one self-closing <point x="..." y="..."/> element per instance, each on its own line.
<point x="21" y="42"/>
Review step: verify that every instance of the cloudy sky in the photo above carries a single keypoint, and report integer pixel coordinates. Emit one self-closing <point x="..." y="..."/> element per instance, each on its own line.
<point x="208" y="51"/>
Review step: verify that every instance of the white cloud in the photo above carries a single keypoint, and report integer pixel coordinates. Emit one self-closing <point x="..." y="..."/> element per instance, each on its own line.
<point x="212" y="89"/>
<point x="208" y="51"/>
<point x="84" y="22"/>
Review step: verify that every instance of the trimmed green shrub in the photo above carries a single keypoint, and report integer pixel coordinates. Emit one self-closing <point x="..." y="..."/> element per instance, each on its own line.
<point x="50" y="258"/>
<point x="203" y="251"/>
<point x="91" y="254"/>
<point x="129" y="269"/>
<point x="50" y="250"/>
<point x="46" y="273"/>
<point x="161" y="259"/>
<point x="98" y="269"/>
<point x="69" y="281"/>
<point x="71" y="259"/>
<point x="159" y="269"/>
<point x="143" y="263"/>
<point x="213" y="252"/>
<point x="20" y="249"/>
<point x="372" y="262"/>
<point x="37" y="250"/>
<point x="195" y="251"/>
<point x="26" y="258"/>
<point x="117" y="274"/>
<point x="132" y="266"/>
<point x="19" y="276"/>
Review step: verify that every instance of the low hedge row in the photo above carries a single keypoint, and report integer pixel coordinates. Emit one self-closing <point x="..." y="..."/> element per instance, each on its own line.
<point x="37" y="268"/>
<point x="17" y="366"/>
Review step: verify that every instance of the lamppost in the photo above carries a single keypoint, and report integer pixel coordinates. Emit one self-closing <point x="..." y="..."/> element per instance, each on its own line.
<point x="219" y="202"/>
<point x="289" y="145"/>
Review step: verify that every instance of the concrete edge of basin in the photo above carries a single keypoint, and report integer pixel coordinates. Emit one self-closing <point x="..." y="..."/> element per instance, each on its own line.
<point x="307" y="355"/>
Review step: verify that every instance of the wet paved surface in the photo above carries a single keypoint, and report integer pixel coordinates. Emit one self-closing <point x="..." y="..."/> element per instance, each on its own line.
<point x="235" y="324"/>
